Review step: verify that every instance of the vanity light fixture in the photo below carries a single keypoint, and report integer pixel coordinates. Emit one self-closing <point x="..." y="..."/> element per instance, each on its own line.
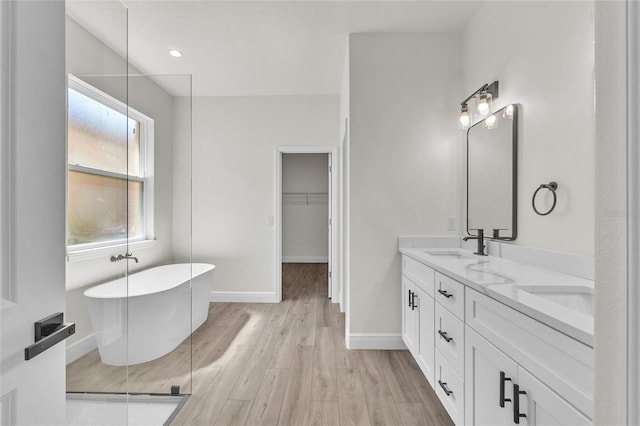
<point x="465" y="117"/>
<point x="483" y="103"/>
<point x="484" y="96"/>
<point x="175" y="53"/>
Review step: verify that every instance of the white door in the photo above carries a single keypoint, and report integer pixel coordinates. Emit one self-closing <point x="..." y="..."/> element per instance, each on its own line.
<point x="33" y="208"/>
<point x="489" y="379"/>
<point x="542" y="406"/>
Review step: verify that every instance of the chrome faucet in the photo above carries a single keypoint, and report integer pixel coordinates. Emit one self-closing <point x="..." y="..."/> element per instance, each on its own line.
<point x="121" y="257"/>
<point x="480" y="238"/>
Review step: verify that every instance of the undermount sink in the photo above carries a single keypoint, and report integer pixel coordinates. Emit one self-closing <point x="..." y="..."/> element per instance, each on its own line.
<point x="575" y="297"/>
<point x="481" y="274"/>
<point x="449" y="254"/>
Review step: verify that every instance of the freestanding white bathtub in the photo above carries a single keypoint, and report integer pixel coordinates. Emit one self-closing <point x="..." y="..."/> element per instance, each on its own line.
<point x="147" y="315"/>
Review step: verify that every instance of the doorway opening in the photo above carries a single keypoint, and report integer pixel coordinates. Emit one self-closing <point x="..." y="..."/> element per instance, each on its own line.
<point x="306" y="190"/>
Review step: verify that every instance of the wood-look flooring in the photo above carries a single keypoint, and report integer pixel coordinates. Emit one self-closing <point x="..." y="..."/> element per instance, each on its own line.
<point x="277" y="364"/>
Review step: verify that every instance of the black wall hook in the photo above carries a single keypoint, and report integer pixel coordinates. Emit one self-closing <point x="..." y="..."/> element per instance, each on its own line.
<point x="551" y="186"/>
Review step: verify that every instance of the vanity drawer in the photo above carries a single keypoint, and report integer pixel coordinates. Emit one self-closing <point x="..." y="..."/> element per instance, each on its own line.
<point x="449" y="336"/>
<point x="450" y="293"/>
<point x="420" y="274"/>
<point x="450" y="389"/>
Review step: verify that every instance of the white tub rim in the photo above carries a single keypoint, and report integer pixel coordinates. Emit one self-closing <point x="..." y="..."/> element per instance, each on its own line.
<point x="117" y="288"/>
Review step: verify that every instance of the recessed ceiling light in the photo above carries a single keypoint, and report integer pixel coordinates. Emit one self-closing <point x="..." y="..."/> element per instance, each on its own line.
<point x="175" y="53"/>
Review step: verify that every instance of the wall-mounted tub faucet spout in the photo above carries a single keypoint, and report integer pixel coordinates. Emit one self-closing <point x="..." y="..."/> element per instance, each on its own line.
<point x="121" y="257"/>
<point x="480" y="238"/>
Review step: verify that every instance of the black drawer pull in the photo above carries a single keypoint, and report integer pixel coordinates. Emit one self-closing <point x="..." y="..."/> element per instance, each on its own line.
<point x="410" y="298"/>
<point x="516" y="404"/>
<point x="503" y="379"/>
<point x="444" y="387"/>
<point x="445" y="294"/>
<point x="444" y="335"/>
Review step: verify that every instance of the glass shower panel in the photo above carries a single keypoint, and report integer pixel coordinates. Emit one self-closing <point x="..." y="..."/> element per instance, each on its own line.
<point x="99" y="199"/>
<point x="161" y="320"/>
<point x="129" y="276"/>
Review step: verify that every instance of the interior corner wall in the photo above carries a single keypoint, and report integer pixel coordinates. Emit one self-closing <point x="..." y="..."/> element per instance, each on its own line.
<point x="542" y="53"/>
<point x="86" y="55"/>
<point x="305" y="210"/>
<point x="234" y="159"/>
<point x="403" y="153"/>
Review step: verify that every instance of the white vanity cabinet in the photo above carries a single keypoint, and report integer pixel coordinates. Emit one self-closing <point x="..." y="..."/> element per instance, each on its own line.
<point x="501" y="392"/>
<point x="418" y="315"/>
<point x="410" y="317"/>
<point x="542" y="406"/>
<point x="488" y="363"/>
<point x="426" y="352"/>
<point x="449" y="340"/>
<point x="555" y="370"/>
<point x="489" y="378"/>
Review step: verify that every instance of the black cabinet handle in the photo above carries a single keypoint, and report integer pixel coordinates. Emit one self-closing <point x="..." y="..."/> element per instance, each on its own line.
<point x="444" y="335"/>
<point x="410" y="298"/>
<point x="503" y="379"/>
<point x="516" y="404"/>
<point x="413" y="300"/>
<point x="444" y="387"/>
<point x="445" y="294"/>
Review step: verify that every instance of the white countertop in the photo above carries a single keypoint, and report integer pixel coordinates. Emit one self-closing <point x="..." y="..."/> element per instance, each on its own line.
<point x="561" y="301"/>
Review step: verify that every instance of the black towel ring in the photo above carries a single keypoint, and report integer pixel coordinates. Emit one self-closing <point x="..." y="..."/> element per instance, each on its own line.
<point x="551" y="186"/>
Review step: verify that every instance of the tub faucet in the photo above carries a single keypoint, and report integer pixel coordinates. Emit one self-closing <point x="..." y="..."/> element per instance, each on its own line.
<point x="121" y="257"/>
<point x="480" y="238"/>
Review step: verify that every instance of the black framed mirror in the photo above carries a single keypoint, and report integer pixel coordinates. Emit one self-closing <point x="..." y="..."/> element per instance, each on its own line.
<point x="492" y="175"/>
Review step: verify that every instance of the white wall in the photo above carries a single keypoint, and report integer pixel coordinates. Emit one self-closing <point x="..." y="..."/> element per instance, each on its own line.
<point x="612" y="214"/>
<point x="542" y="53"/>
<point x="305" y="234"/>
<point x="86" y="55"/>
<point x="404" y="148"/>
<point x="234" y="149"/>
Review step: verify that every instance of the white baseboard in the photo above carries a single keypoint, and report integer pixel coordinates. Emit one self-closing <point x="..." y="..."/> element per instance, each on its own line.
<point x="375" y="341"/>
<point x="244" y="296"/>
<point x="81" y="347"/>
<point x="304" y="259"/>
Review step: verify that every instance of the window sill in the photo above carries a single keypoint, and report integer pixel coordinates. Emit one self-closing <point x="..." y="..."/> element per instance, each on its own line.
<point x="114" y="250"/>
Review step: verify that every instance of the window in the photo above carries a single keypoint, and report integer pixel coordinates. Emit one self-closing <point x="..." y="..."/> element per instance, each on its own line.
<point x="110" y="165"/>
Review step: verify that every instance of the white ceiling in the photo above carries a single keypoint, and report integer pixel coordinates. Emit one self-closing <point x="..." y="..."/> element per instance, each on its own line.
<point x="260" y="48"/>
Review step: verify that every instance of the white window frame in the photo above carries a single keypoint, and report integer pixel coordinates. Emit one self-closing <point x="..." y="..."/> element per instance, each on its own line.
<point x="93" y="250"/>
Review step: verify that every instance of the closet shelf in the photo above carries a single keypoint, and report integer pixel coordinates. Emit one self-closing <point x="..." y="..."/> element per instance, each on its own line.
<point x="305" y="198"/>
